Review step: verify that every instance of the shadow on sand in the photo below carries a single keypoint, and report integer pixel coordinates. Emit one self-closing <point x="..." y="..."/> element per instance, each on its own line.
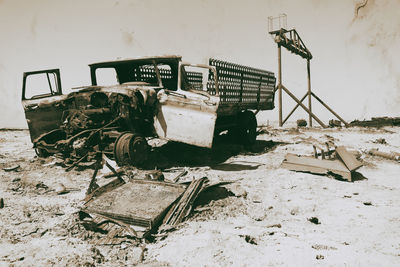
<point x="174" y="154"/>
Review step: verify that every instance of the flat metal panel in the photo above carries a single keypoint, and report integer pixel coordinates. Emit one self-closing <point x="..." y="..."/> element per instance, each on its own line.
<point x="138" y="202"/>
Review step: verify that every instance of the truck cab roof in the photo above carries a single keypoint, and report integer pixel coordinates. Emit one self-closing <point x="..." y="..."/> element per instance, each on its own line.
<point x="154" y="70"/>
<point x="139" y="60"/>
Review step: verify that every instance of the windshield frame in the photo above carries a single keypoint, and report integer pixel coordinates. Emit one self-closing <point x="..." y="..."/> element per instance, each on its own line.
<point x="125" y="70"/>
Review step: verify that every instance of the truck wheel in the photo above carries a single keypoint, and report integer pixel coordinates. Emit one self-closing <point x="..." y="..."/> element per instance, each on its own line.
<point x="130" y="149"/>
<point x="42" y="153"/>
<point x="247" y="127"/>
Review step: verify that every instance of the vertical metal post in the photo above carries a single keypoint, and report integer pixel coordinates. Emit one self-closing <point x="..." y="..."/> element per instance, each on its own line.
<point x="309" y="92"/>
<point x="280" y="85"/>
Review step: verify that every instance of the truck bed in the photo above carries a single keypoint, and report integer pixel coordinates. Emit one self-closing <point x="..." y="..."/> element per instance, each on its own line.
<point x="242" y="87"/>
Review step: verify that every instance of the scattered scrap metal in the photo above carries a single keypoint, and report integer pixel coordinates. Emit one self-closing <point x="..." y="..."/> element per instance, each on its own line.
<point x="337" y="161"/>
<point x="377" y="122"/>
<point x="12" y="168"/>
<point x="183" y="207"/>
<point x="140" y="203"/>
<point x="132" y="209"/>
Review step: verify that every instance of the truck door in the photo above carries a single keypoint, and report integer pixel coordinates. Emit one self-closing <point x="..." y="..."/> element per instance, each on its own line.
<point x="188" y="114"/>
<point x="42" y="101"/>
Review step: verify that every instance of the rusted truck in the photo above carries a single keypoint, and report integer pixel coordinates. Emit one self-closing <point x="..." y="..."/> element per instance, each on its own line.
<point x="130" y="100"/>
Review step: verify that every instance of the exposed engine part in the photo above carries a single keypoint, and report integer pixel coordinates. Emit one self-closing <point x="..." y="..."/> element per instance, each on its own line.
<point x="99" y="99"/>
<point x="79" y="120"/>
<point x="130" y="149"/>
<point x="123" y="105"/>
<point x="80" y="147"/>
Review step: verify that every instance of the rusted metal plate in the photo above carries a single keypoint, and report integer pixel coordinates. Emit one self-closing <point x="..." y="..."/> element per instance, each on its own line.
<point x="348" y="159"/>
<point x="313" y="165"/>
<point x="139" y="202"/>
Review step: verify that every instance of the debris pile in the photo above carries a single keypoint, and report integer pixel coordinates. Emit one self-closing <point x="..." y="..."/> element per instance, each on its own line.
<point x="132" y="209"/>
<point x="377" y="122"/>
<point x="141" y="204"/>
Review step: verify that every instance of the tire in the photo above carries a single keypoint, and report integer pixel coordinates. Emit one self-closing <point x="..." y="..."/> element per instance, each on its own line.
<point x="247" y="128"/>
<point x="130" y="149"/>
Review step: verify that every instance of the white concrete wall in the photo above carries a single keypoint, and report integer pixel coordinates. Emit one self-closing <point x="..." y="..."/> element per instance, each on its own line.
<point x="355" y="68"/>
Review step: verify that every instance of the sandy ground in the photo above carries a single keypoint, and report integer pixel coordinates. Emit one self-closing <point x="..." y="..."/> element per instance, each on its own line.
<point x="262" y="221"/>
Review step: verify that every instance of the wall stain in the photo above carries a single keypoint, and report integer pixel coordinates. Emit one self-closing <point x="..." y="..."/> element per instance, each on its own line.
<point x="33" y="26"/>
<point x="128" y="37"/>
<point x="359" y="6"/>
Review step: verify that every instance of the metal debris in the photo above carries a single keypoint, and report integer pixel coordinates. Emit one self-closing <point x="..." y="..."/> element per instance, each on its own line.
<point x="61" y="189"/>
<point x="307" y="164"/>
<point x="343" y="163"/>
<point x="141" y="203"/>
<point x="155" y="175"/>
<point x="278" y="225"/>
<point x="12" y="168"/>
<point x="377" y="122"/>
<point x="183" y="173"/>
<point x="392" y="155"/>
<point x="348" y="159"/>
<point x="380" y="141"/>
<point x="184" y="205"/>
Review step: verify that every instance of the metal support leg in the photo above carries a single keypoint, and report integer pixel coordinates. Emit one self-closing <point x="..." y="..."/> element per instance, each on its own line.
<point x="309" y="93"/>
<point x="331" y="110"/>
<point x="304" y="107"/>
<point x="294" y="109"/>
<point x="280" y="86"/>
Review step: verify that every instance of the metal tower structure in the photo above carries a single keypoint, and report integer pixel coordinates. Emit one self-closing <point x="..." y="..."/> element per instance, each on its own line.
<point x="290" y="39"/>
